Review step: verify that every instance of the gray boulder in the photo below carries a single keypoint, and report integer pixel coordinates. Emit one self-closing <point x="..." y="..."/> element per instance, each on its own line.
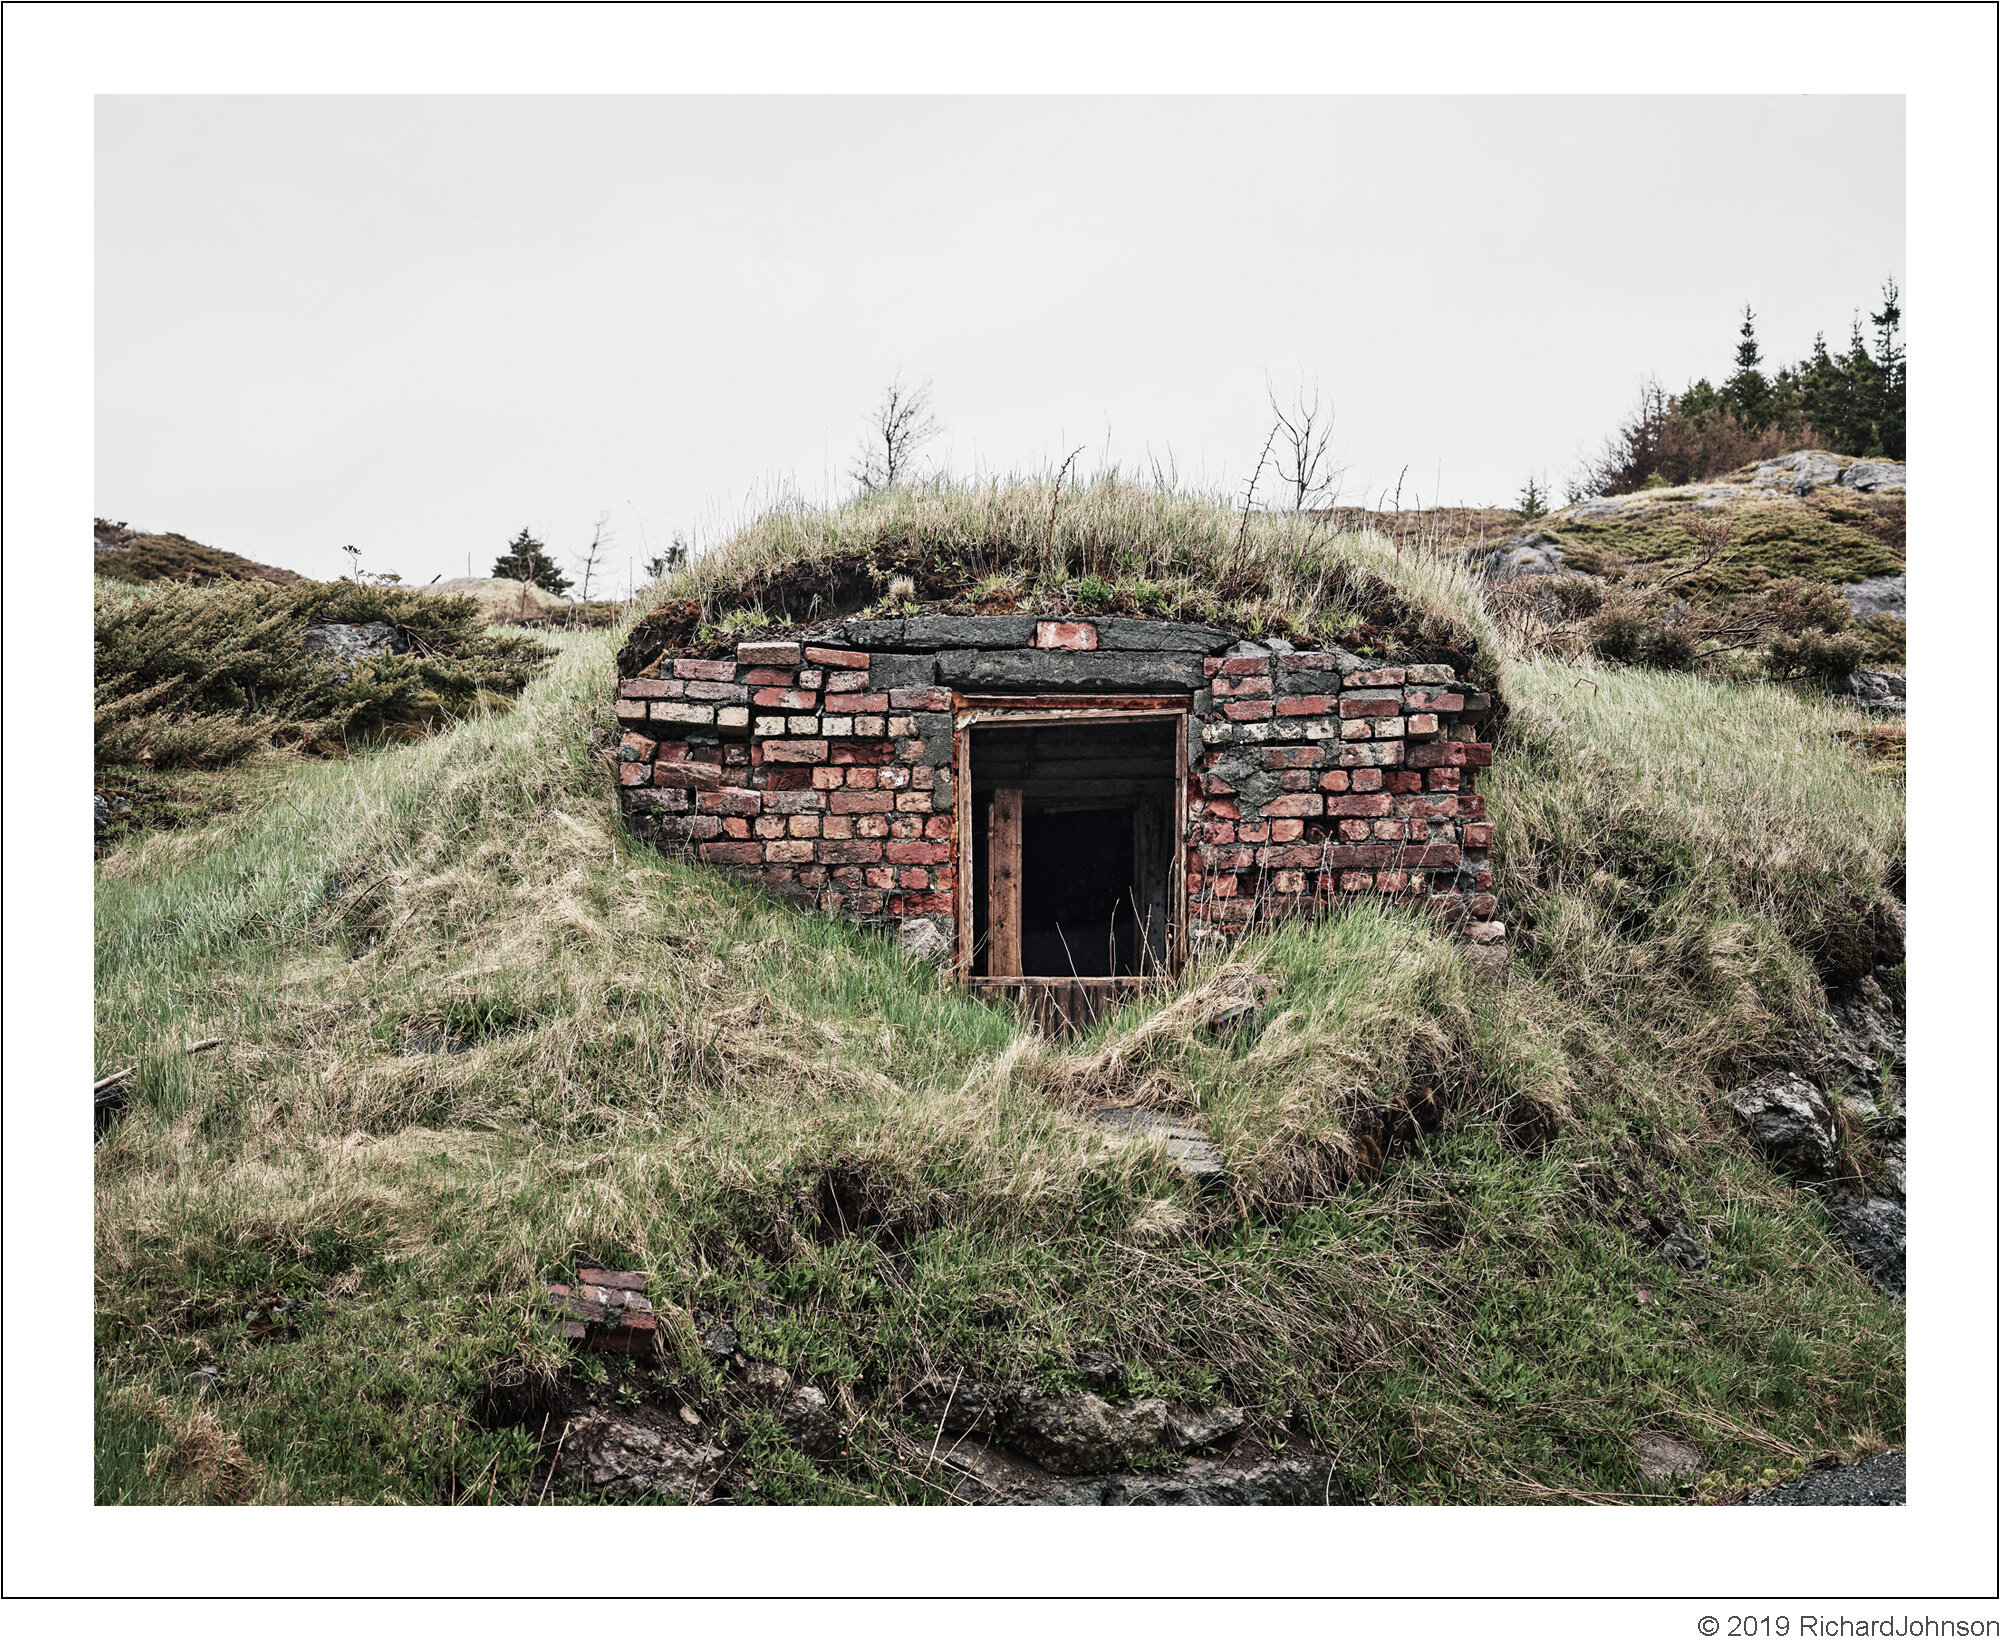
<point x="1797" y="473"/>
<point x="1873" y="1229"/>
<point x="345" y="644"/>
<point x="1876" y="692"/>
<point x="1877" y="596"/>
<point x="643" y="1456"/>
<point x="1788" y="1119"/>
<point x="1527" y="554"/>
<point x="1085" y="1434"/>
<point x="985" y="1474"/>
<point x="923" y="940"/>
<point x="1874" y="475"/>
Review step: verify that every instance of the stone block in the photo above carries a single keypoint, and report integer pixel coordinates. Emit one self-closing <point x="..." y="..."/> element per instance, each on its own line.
<point x="1076" y="671"/>
<point x="1138" y="634"/>
<point x="888" y="670"/>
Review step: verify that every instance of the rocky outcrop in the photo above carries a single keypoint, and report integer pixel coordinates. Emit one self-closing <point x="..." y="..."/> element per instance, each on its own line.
<point x="1876" y="692"/>
<point x="346" y="644"/>
<point x="1801" y="473"/>
<point x="1527" y="554"/>
<point x="1252" y="1476"/>
<point x="1074" y="1434"/>
<point x="1877" y="596"/>
<point x="641" y="1456"/>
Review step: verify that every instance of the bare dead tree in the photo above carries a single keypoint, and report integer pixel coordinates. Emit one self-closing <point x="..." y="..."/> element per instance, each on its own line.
<point x="901" y="425"/>
<point x="1304" y="431"/>
<point x="601" y="535"/>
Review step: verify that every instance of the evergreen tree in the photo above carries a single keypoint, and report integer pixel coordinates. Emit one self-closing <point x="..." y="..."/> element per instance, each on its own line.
<point x="1890" y="386"/>
<point x="1747" y="393"/>
<point x="526" y="562"/>
<point x="1859" y="435"/>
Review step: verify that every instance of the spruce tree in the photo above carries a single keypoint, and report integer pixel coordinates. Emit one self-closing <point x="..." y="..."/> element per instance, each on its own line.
<point x="1746" y="392"/>
<point x="1890" y="385"/>
<point x="526" y="562"/>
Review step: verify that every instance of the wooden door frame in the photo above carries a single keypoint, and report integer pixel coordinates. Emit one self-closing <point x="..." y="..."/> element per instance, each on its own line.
<point x="968" y="711"/>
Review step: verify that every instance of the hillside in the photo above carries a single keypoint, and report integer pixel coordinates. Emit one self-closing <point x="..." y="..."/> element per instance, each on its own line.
<point x="167" y="557"/>
<point x="432" y="1029"/>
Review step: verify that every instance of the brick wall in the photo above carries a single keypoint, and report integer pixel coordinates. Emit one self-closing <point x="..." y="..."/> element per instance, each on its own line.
<point x="825" y="773"/>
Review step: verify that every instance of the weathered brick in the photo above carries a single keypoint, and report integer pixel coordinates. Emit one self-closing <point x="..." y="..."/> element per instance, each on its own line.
<point x="1218" y="834"/>
<point x="781" y="697"/>
<point x="1302" y="706"/>
<point x="1353" y="828"/>
<point x="933" y="698"/>
<point x="769" y="828"/>
<point x="734" y="714"/>
<point x="767" y="725"/>
<point x="1373" y="754"/>
<point x="937" y="828"/>
<point x="1435" y="702"/>
<point x="1436" y="754"/>
<point x="857" y="702"/>
<point x="1288" y="880"/>
<point x="686" y="774"/>
<point x="1211" y="666"/>
<point x="1367" y="708"/>
<point x="1357" y="805"/>
<point x="1390" y="828"/>
<point x="789" y="851"/>
<point x="848" y="851"/>
<point x="1338" y="782"/>
<point x="1066" y="637"/>
<point x="804" y="752"/>
<point x="632" y="708"/>
<point x="915" y="880"/>
<point x="929" y="903"/>
<point x="1289" y="857"/>
<point x="1471" y="805"/>
<point x="767" y="651"/>
<point x="913" y="800"/>
<point x="1244" y="665"/>
<point x="1478" y="754"/>
<point x="649" y="688"/>
<point x="1389" y="728"/>
<point x="847" y="680"/>
<point x="1221" y="809"/>
<point x="1405" y="782"/>
<point x="811" y="680"/>
<point x="1376" y="677"/>
<point x="1422" y="725"/>
<point x="632" y="746"/>
<point x="1281" y="759"/>
<point x="1484" y="931"/>
<point x="1357" y="728"/>
<point x="704" y="668"/>
<point x="732" y="851"/>
<point x="1255" y="833"/>
<point x="736" y="828"/>
<point x="850" y="801"/>
<point x="1287" y="828"/>
<point x="828" y="658"/>
<point x="836" y="828"/>
<point x="1256" y="709"/>
<point x="1478" y="835"/>
<point x="918" y="851"/>
<point x="685" y="714"/>
<point x="862" y="753"/>
<point x="1357" y="880"/>
<point x="1366" y="782"/>
<point x="1441" y="777"/>
<point x="1248" y="685"/>
<point x="829" y="777"/>
<point x="803" y="825"/>
<point x="634" y="774"/>
<point x="861" y="777"/>
<point x="837" y="725"/>
<point x="1292" y="805"/>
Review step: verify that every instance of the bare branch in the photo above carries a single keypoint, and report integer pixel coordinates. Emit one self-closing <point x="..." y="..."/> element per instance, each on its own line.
<point x="1307" y="429"/>
<point x="901" y="425"/>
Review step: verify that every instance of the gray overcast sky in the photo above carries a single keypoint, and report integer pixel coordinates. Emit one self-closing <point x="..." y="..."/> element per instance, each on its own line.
<point x="415" y="324"/>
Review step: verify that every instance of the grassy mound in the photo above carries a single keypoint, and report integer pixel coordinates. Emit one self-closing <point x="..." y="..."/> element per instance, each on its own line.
<point x="1431" y="1263"/>
<point x="1112" y="547"/>
<point x="126" y="556"/>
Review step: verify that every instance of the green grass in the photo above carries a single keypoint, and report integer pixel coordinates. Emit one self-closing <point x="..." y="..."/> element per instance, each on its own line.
<point x="667" y="1071"/>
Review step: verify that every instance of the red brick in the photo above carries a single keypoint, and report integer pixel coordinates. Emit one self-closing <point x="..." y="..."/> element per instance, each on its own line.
<point x="1223" y="885"/>
<point x="836" y="660"/>
<point x="847" y="680"/>
<point x="778" y="697"/>
<point x="1258" y="709"/>
<point x="1441" y="777"/>
<point x="801" y="751"/>
<point x="1287" y="828"/>
<point x="862" y="754"/>
<point x="803" y="825"/>
<point x="1211" y="784"/>
<point x="1436" y="754"/>
<point x="915" y="880"/>
<point x="828" y="777"/>
<point x="1478" y="836"/>
<point x="1337" y="782"/>
<point x="1482" y="906"/>
<point x="732" y="802"/>
<point x="881" y="879"/>
<point x="848" y="851"/>
<point x="1222" y="808"/>
<point x="769" y="828"/>
<point x="1282" y="760"/>
<point x="1391" y="828"/>
<point x="1367" y="781"/>
<point x="631" y="746"/>
<point x="1289" y="857"/>
<point x="918" y="851"/>
<point x="912" y="800"/>
<point x="736" y="828"/>
<point x="1304" y="707"/>
<point x="1298" y="782"/>
<point x="1392" y="880"/>
<point x="849" y="801"/>
<point x="1375" y="677"/>
<point x="1211" y="666"/>
<point x="767" y="651"/>
<point x="1353" y="828"/>
<point x="1436" y="702"/>
<point x="932" y="903"/>
<point x="933" y="698"/>
<point x="1288" y="881"/>
<point x="732" y="851"/>
<point x="1249" y="685"/>
<point x="789" y="851"/>
<point x="1245" y="665"/>
<point x="1218" y="834"/>
<point x="1478" y="754"/>
<point x="937" y="828"/>
<point x="648" y="688"/>
<point x="1358" y="855"/>
<point x="1292" y="805"/>
<point x="1422" y="725"/>
<point x="859" y="777"/>
<point x="1471" y="805"/>
<point x="836" y="828"/>
<point x="1404" y="782"/>
<point x="1367" y="708"/>
<point x="1255" y="833"/>
<point x="633" y="774"/>
<point x="1379" y="753"/>
<point x="787" y="778"/>
<point x="1357" y="880"/>
<point x="857" y="703"/>
<point x="704" y="668"/>
<point x="1358" y="805"/>
<point x="1066" y="637"/>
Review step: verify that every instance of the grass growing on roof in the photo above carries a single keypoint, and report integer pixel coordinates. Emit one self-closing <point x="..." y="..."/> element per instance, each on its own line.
<point x="667" y="1072"/>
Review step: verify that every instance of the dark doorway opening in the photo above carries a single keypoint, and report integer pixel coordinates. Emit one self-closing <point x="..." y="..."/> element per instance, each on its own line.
<point x="1074" y="848"/>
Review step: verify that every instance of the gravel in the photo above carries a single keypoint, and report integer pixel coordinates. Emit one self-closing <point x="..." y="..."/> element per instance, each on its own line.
<point x="1877" y="1479"/>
